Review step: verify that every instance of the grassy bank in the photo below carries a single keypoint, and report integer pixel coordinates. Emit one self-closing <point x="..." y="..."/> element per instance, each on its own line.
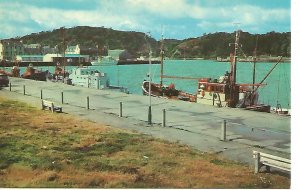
<point x="41" y="149"/>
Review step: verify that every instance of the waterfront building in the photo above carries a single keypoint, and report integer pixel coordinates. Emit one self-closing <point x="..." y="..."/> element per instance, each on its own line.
<point x="29" y="58"/>
<point x="73" y="49"/>
<point x="48" y="50"/>
<point x="9" y="49"/>
<point x="32" y="49"/>
<point x="82" y="50"/>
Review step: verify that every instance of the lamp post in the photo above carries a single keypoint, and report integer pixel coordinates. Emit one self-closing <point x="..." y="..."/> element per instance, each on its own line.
<point x="150" y="80"/>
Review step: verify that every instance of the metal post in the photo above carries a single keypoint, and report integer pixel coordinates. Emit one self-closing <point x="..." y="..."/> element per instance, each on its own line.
<point x="52" y="107"/>
<point x="41" y="94"/>
<point x="62" y="97"/>
<point x="121" y="107"/>
<point x="87" y="102"/>
<point x="223" y="131"/>
<point x="149" y="116"/>
<point x="42" y="104"/>
<point x="257" y="163"/>
<point x="150" y="80"/>
<point x="24" y="90"/>
<point x="9" y="86"/>
<point x="164" y="117"/>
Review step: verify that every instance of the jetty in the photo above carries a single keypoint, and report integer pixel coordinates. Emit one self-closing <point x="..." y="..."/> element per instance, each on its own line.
<point x="232" y="132"/>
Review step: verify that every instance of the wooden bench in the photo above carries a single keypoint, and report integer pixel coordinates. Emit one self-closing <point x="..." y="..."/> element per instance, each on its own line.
<point x="50" y="106"/>
<point x="268" y="160"/>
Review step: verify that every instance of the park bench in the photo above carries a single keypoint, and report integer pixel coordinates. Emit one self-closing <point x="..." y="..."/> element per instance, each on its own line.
<point x="268" y="160"/>
<point x="50" y="106"/>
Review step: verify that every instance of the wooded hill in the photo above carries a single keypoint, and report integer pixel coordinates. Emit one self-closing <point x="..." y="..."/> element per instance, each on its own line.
<point x="137" y="43"/>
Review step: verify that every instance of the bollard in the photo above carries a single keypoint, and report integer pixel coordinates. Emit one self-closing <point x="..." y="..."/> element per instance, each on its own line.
<point x="223" y="131"/>
<point x="121" y="107"/>
<point x="164" y="117"/>
<point x="24" y="90"/>
<point x="257" y="164"/>
<point x="149" y="116"/>
<point x="41" y="94"/>
<point x="87" y="102"/>
<point x="9" y="86"/>
<point x="62" y="97"/>
<point x="52" y="107"/>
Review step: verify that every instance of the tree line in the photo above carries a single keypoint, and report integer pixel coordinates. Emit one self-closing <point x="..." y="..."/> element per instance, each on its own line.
<point x="208" y="46"/>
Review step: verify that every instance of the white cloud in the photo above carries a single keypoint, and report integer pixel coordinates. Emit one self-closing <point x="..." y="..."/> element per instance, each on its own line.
<point x="139" y="15"/>
<point x="250" y="17"/>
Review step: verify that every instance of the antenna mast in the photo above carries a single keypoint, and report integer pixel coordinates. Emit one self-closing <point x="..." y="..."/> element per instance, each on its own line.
<point x="64" y="48"/>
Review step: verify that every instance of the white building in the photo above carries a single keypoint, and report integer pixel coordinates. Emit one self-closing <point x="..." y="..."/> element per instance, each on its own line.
<point x="73" y="50"/>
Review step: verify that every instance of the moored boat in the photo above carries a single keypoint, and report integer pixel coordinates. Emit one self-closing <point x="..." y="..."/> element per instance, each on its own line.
<point x="92" y="78"/>
<point x="224" y="91"/>
<point x="161" y="90"/>
<point x="15" y="72"/>
<point x="89" y="77"/>
<point x="34" y="74"/>
<point x="59" y="75"/>
<point x="104" y="61"/>
<point x="167" y="91"/>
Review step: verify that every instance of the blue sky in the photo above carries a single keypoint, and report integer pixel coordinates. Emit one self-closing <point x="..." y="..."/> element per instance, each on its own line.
<point x="178" y="19"/>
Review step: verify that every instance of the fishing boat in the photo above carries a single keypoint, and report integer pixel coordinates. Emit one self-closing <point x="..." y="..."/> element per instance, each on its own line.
<point x="222" y="92"/>
<point x="89" y="77"/>
<point x="15" y="72"/>
<point x="59" y="75"/>
<point x="34" y="74"/>
<point x="162" y="90"/>
<point x="104" y="61"/>
<point x="226" y="92"/>
<point x="92" y="78"/>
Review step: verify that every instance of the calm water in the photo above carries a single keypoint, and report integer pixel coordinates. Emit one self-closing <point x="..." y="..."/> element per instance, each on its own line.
<point x="277" y="89"/>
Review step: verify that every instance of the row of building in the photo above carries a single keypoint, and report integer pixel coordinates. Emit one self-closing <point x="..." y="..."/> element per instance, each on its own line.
<point x="261" y="58"/>
<point x="15" y="51"/>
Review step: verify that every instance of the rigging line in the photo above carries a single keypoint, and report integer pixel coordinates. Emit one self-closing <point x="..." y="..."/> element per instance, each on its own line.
<point x="268" y="74"/>
<point x="278" y="86"/>
<point x="245" y="56"/>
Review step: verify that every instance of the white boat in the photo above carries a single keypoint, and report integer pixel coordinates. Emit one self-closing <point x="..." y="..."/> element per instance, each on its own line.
<point x="104" y="60"/>
<point x="92" y="78"/>
<point x="89" y="77"/>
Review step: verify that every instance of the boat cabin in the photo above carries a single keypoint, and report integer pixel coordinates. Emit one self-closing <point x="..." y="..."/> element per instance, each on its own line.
<point x="89" y="77"/>
<point x="217" y="92"/>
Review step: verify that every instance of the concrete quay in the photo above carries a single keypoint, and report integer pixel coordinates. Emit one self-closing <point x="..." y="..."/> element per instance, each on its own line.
<point x="188" y="123"/>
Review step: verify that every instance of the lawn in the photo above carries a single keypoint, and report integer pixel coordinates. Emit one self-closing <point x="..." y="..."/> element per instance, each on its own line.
<point x="43" y="149"/>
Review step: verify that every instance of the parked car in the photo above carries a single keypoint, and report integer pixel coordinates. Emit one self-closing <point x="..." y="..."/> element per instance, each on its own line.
<point x="4" y="80"/>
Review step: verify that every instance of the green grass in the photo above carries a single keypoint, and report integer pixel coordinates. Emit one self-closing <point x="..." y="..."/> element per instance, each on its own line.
<point x="41" y="149"/>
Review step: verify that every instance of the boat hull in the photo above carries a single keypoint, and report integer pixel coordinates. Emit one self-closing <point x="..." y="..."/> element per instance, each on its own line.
<point x="167" y="92"/>
<point x="97" y="63"/>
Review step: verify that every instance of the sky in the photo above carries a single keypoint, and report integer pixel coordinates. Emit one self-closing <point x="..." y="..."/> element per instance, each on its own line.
<point x="177" y="19"/>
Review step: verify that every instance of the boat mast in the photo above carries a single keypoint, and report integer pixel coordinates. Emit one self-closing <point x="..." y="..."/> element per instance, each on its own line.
<point x="64" y="49"/>
<point x="161" y="60"/>
<point x="233" y="87"/>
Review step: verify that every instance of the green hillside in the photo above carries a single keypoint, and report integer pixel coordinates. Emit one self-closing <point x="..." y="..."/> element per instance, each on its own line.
<point x="206" y="46"/>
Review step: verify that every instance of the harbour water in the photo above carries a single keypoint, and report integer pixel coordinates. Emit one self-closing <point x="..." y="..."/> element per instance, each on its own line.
<point x="276" y="90"/>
